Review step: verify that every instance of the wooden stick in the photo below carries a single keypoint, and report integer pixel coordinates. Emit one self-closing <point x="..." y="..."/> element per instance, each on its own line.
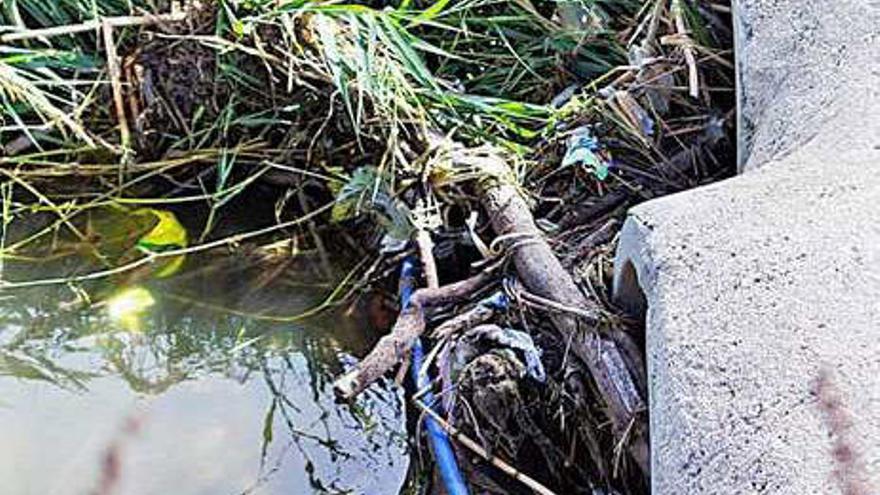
<point x="480" y="313"/>
<point x="92" y="25"/>
<point x="394" y="347"/>
<point x="115" y="75"/>
<point x="681" y="27"/>
<point x="426" y="254"/>
<point x="474" y="447"/>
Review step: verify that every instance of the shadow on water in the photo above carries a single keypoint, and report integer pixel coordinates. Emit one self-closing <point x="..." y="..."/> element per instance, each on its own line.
<point x="197" y="389"/>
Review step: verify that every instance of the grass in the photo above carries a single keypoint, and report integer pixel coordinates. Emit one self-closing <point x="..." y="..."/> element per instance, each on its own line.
<point x="407" y="64"/>
<point x="239" y="91"/>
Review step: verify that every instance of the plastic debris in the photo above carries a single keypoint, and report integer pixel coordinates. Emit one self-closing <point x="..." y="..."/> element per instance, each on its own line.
<point x="564" y="96"/>
<point x="490" y="336"/>
<point x="584" y="149"/>
<point x="167" y="234"/>
<point x="517" y="340"/>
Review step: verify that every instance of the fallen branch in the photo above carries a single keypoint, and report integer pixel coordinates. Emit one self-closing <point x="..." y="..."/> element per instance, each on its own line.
<point x="542" y="274"/>
<point x="394" y="347"/>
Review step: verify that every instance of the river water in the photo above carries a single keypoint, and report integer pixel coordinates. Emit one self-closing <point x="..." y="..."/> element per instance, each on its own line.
<point x="199" y="384"/>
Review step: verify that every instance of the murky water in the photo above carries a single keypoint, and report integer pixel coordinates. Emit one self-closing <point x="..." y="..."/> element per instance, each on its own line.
<point x="192" y="385"/>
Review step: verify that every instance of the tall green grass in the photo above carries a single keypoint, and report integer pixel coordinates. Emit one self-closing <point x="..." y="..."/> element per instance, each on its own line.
<point x="315" y="88"/>
<point x="44" y="83"/>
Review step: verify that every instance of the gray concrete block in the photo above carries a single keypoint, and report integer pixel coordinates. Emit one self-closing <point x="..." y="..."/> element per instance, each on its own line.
<point x="802" y="68"/>
<point x="752" y="287"/>
<point x="755" y="288"/>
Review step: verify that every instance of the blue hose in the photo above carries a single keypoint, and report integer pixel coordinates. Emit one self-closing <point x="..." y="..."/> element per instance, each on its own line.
<point x="440" y="446"/>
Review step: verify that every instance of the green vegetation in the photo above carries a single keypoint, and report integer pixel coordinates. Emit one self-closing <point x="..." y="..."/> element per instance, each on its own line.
<point x="231" y="94"/>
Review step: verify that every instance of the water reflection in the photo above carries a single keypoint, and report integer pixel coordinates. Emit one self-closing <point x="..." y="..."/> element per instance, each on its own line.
<point x="208" y="394"/>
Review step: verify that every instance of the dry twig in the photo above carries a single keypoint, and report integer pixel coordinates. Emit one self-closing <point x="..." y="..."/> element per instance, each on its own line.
<point x="474" y="447"/>
<point x="92" y="25"/>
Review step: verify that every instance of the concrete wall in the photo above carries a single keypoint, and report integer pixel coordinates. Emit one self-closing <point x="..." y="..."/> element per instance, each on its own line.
<point x="803" y="68"/>
<point x="762" y="293"/>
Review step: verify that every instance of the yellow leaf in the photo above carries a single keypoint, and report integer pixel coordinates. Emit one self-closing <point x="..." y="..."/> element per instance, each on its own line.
<point x="166" y="235"/>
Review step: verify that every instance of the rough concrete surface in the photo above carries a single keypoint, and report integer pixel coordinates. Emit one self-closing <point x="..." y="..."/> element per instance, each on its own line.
<point x="755" y="288"/>
<point x="798" y="64"/>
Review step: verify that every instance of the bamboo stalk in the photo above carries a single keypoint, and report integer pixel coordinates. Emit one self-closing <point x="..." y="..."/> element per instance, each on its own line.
<point x="115" y="75"/>
<point x="689" y="57"/>
<point x="92" y="25"/>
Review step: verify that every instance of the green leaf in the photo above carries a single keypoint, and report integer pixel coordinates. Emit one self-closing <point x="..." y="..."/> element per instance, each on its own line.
<point x="368" y="192"/>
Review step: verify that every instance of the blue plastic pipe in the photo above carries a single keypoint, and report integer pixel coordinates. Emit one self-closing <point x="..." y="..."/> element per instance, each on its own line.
<point x="440" y="446"/>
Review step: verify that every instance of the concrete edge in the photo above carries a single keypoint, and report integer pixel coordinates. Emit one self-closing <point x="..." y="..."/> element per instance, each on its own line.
<point x="742" y="137"/>
<point x="634" y="274"/>
<point x="634" y="284"/>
